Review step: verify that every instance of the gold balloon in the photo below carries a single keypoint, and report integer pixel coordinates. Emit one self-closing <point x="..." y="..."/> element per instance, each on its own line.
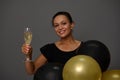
<point x="111" y="75"/>
<point x="82" y="67"/>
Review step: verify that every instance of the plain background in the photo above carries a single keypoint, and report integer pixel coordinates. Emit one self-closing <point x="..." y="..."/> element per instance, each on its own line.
<point x="94" y="19"/>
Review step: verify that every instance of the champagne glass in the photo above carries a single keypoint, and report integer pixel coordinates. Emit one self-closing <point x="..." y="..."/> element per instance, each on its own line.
<point x="27" y="35"/>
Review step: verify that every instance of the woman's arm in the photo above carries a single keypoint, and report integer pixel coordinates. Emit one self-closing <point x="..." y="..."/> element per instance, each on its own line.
<point x="32" y="66"/>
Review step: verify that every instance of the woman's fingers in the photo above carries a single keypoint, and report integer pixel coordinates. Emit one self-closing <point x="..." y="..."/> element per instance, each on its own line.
<point x="26" y="49"/>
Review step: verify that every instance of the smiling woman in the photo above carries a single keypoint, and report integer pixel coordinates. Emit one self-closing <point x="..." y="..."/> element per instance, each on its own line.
<point x="62" y="26"/>
<point x="93" y="19"/>
<point x="59" y="51"/>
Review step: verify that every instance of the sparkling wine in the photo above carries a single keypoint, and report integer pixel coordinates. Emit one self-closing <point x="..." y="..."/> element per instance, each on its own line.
<point x="28" y="36"/>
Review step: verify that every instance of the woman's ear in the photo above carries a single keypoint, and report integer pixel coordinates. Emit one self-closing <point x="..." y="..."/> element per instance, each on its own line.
<point x="72" y="25"/>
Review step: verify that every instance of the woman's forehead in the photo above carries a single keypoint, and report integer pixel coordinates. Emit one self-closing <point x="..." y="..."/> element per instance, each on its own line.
<point x="60" y="18"/>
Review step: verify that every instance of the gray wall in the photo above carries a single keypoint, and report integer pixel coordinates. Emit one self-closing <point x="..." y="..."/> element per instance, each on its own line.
<point x="95" y="19"/>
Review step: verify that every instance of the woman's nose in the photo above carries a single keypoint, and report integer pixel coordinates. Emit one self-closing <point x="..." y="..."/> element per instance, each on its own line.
<point x="60" y="27"/>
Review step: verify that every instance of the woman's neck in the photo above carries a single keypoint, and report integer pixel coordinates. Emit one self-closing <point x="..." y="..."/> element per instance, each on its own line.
<point x="68" y="40"/>
<point x="68" y="44"/>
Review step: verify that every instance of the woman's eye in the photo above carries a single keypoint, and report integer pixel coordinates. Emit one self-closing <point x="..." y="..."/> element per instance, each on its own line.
<point x="64" y="23"/>
<point x="55" y="25"/>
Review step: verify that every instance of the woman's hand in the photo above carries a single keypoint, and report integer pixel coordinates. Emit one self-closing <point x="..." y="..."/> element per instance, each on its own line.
<point x="27" y="50"/>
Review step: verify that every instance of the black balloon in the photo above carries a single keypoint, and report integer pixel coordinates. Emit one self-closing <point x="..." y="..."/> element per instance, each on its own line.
<point x="49" y="71"/>
<point x="98" y="51"/>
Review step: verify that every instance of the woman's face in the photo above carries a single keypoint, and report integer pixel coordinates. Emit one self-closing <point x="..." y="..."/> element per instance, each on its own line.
<point x="62" y="26"/>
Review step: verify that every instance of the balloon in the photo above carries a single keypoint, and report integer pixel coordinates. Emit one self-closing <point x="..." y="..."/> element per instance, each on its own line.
<point x="81" y="67"/>
<point x="111" y="75"/>
<point x="50" y="71"/>
<point x="98" y="51"/>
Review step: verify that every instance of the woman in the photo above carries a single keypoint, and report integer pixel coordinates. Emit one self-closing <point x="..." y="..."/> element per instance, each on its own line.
<point x="59" y="51"/>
